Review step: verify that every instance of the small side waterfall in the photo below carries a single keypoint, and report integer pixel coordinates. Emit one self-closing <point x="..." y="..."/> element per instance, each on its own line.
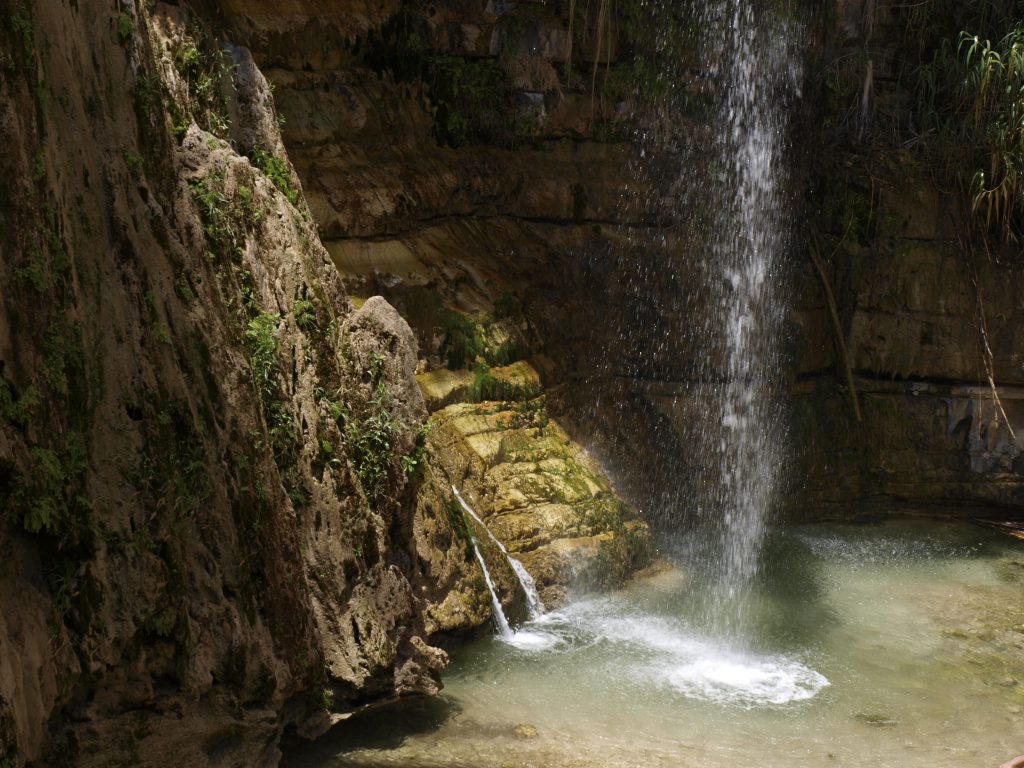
<point x="534" y="605"/>
<point x="499" y="615"/>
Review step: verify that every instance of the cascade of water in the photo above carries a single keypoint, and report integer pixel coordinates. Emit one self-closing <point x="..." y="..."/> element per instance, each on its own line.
<point x="717" y="298"/>
<point x="504" y="630"/>
<point x="534" y="605"/>
<point x="746" y="313"/>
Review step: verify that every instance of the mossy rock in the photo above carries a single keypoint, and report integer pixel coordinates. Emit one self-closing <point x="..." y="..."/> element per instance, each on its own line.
<point x="541" y="495"/>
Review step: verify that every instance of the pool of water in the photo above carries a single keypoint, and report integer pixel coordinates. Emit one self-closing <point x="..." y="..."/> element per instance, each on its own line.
<point x="896" y="644"/>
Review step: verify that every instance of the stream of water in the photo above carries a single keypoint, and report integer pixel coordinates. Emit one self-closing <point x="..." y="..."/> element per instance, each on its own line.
<point x="882" y="645"/>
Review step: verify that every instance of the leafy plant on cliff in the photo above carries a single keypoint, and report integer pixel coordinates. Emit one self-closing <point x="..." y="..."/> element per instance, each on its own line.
<point x="473" y="101"/>
<point x="472" y="97"/>
<point x="261" y="340"/>
<point x="995" y="85"/>
<point x="970" y="104"/>
<point x="45" y="498"/>
<point x="21" y="25"/>
<point x="413" y="463"/>
<point x="226" y="218"/>
<point x="370" y="441"/>
<point x="208" y="76"/>
<point x="278" y="172"/>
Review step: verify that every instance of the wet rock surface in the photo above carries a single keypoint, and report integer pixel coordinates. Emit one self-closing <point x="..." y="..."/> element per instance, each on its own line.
<point x="541" y="495"/>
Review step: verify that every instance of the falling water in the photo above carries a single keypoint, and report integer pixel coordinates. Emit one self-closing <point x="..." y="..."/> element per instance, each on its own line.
<point x="534" y="605"/>
<point x="724" y="193"/>
<point x="749" y="242"/>
<point x="504" y="630"/>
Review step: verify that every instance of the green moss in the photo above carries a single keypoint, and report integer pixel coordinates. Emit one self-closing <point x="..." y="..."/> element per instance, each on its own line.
<point x="460" y="526"/>
<point x="485" y="387"/>
<point x="465" y="340"/>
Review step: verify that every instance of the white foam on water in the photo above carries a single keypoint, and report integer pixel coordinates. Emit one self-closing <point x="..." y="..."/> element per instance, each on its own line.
<point x="671" y="655"/>
<point x="744" y="680"/>
<point x="527" y="639"/>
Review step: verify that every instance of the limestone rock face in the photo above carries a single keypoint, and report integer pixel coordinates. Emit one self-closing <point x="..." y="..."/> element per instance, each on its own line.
<point x="205" y="516"/>
<point x="541" y="495"/>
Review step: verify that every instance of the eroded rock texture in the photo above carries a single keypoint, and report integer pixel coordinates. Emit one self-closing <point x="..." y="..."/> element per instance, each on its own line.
<point x="200" y="442"/>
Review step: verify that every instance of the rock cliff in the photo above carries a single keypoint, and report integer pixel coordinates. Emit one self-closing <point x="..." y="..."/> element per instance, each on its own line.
<point x="225" y="476"/>
<point x="201" y="442"/>
<point x="223" y="512"/>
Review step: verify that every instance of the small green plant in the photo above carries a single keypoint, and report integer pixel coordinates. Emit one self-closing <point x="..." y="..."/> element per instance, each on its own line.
<point x="18" y="410"/>
<point x="225" y="220"/>
<point x="278" y="171"/>
<point x="327" y="699"/>
<point x="305" y="315"/>
<point x="38" y="166"/>
<point x="995" y="85"/>
<point x="251" y="213"/>
<point x="261" y="338"/>
<point x="133" y="161"/>
<point x="413" y="463"/>
<point x="473" y="100"/>
<point x="44" y="499"/>
<point x="208" y="75"/>
<point x="184" y="289"/>
<point x="35" y="273"/>
<point x="370" y="441"/>
<point x="376" y="365"/>
<point x="63" y="359"/>
<point x="125" y="27"/>
<point x="21" y="25"/>
<point x="161" y="623"/>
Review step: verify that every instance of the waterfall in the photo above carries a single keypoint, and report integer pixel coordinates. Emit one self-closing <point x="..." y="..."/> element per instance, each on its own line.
<point x="534" y="605"/>
<point x="720" y="190"/>
<point x="745" y="319"/>
<point x="504" y="630"/>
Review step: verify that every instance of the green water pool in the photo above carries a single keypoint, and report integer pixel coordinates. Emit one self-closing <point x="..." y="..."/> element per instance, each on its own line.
<point x="895" y="644"/>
